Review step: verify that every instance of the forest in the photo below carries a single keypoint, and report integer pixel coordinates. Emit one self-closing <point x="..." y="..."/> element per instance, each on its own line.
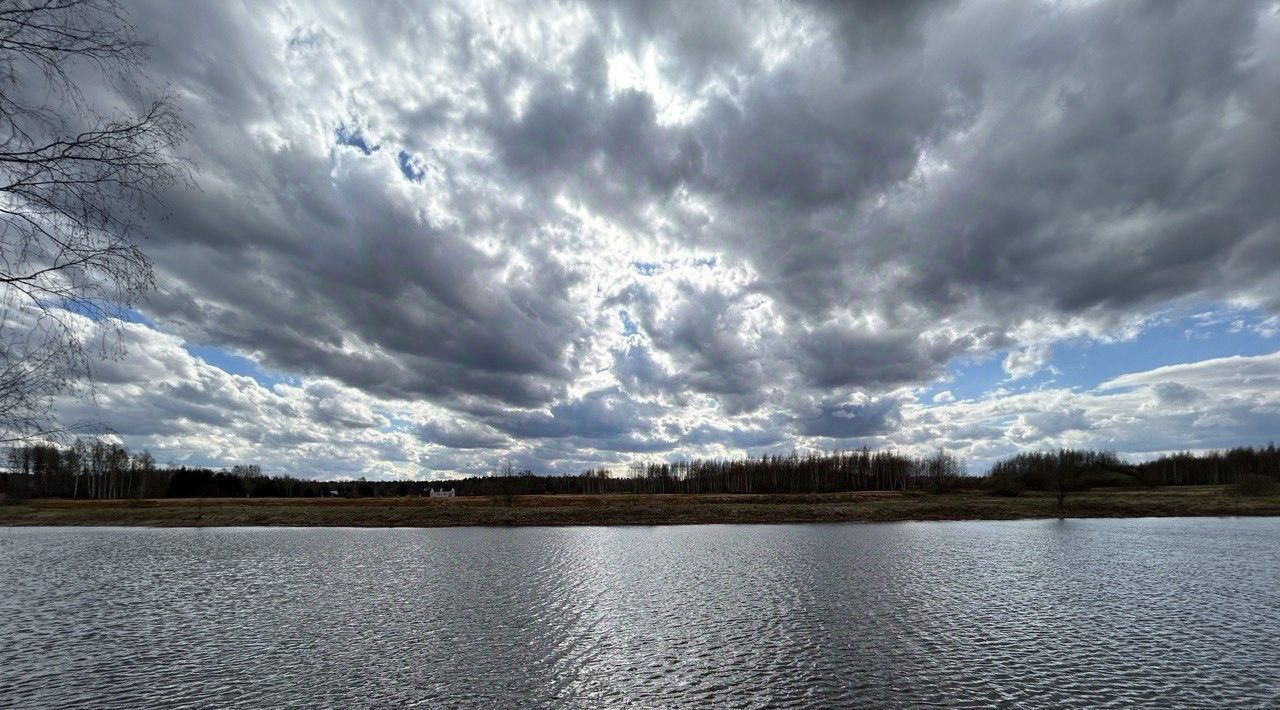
<point x="1072" y="470"/>
<point x="102" y="470"/>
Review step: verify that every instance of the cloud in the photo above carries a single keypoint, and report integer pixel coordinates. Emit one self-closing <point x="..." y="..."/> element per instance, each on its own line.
<point x="1174" y="394"/>
<point x="1215" y="403"/>
<point x="1037" y="426"/>
<point x="1026" y="362"/>
<point x="460" y="434"/>
<point x="586" y="232"/>
<point x="162" y="397"/>
<point x="852" y="420"/>
<point x="1247" y="373"/>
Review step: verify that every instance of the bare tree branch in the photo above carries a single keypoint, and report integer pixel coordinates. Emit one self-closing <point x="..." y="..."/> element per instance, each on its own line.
<point x="75" y="185"/>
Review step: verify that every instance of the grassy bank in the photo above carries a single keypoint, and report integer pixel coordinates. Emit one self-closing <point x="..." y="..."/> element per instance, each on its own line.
<point x="633" y="509"/>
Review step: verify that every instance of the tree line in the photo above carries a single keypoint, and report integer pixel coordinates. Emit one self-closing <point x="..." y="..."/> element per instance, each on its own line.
<point x="862" y="470"/>
<point x="1072" y="470"/>
<point x="99" y="469"/>
<point x="102" y="470"/>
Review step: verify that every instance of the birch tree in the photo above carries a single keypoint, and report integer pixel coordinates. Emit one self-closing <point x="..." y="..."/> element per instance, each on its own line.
<point x="76" y="184"/>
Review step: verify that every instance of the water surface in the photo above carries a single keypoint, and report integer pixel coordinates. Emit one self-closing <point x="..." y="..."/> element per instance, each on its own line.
<point x="1079" y="613"/>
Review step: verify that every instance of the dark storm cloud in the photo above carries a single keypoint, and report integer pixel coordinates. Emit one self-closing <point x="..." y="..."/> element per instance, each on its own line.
<point x="1117" y="179"/>
<point x="602" y="414"/>
<point x="850" y="421"/>
<point x="799" y="142"/>
<point x="436" y="313"/>
<point x="835" y="357"/>
<point x="306" y="259"/>
<point x="985" y="184"/>
<point x="877" y="25"/>
<point x="462" y="435"/>
<point x="606" y="147"/>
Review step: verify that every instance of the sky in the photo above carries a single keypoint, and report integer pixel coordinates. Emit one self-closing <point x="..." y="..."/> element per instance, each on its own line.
<point x="426" y="239"/>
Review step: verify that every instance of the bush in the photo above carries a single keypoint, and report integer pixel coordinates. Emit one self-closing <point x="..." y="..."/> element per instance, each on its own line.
<point x="1101" y="478"/>
<point x="1004" y="486"/>
<point x="1255" y="484"/>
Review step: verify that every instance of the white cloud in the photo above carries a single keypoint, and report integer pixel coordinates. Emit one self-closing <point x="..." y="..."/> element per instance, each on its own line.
<point x="1020" y="364"/>
<point x="161" y="397"/>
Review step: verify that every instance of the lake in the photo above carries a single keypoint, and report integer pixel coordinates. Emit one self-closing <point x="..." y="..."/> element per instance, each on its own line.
<point x="1077" y="613"/>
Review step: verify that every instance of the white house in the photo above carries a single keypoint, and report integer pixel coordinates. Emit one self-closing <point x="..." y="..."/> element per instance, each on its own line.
<point x="442" y="493"/>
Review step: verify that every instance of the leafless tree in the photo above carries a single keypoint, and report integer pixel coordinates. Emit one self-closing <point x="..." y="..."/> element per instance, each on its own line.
<point x="75" y="185"/>
<point x="508" y="482"/>
<point x="250" y="474"/>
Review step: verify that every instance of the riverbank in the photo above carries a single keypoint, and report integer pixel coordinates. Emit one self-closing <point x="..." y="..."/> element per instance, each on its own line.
<point x="634" y="509"/>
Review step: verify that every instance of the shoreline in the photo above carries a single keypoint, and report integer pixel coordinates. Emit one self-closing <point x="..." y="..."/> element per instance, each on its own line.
<point x="634" y="509"/>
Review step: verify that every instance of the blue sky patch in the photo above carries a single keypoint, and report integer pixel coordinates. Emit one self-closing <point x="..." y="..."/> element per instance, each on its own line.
<point x="409" y="167"/>
<point x="1084" y="363"/>
<point x="355" y="138"/>
<point x="234" y="364"/>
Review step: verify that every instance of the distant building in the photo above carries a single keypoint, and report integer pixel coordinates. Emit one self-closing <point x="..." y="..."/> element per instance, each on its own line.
<point x="334" y="492"/>
<point x="442" y="493"/>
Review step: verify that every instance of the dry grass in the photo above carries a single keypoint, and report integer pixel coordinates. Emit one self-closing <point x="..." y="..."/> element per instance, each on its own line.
<point x="633" y="509"/>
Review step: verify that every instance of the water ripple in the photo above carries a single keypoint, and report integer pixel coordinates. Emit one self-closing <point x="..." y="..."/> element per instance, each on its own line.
<point x="1074" y="614"/>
